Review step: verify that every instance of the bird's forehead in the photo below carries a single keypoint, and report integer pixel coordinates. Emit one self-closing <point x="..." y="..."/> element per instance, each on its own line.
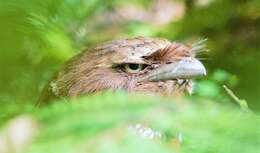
<point x="133" y="50"/>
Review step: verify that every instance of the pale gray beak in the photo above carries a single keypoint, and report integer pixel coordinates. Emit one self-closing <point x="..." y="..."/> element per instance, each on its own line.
<point x="187" y="68"/>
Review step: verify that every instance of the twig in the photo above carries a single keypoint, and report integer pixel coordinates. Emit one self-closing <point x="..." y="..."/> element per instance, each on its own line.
<point x="242" y="103"/>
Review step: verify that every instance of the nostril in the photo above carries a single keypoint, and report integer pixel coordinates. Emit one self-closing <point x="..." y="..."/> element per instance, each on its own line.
<point x="168" y="62"/>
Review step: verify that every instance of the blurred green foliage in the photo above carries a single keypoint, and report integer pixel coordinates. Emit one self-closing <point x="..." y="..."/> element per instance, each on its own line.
<point x="38" y="36"/>
<point x="101" y="124"/>
<point x="213" y="86"/>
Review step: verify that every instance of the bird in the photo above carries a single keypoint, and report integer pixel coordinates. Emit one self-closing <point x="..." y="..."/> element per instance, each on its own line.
<point x="146" y="65"/>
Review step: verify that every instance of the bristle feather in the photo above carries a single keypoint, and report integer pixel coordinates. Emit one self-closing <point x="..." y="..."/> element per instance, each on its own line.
<point x="199" y="47"/>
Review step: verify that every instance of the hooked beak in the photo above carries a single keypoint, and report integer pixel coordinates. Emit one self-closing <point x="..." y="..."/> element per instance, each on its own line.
<point x="187" y="68"/>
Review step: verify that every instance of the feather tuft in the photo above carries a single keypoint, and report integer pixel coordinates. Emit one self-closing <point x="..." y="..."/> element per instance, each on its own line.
<point x="199" y="47"/>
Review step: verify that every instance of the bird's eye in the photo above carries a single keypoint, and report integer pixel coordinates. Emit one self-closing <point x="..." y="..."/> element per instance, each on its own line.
<point x="133" y="68"/>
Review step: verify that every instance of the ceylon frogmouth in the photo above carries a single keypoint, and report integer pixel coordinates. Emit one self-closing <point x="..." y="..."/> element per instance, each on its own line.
<point x="141" y="64"/>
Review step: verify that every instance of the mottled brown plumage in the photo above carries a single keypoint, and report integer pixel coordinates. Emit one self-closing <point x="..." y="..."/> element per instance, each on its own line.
<point x="141" y="64"/>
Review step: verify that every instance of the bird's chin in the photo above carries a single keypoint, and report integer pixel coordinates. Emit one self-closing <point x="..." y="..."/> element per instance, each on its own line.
<point x="184" y="85"/>
<point x="178" y="87"/>
<point x="165" y="88"/>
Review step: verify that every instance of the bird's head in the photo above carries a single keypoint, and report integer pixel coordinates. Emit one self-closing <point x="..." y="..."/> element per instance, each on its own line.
<point x="139" y="64"/>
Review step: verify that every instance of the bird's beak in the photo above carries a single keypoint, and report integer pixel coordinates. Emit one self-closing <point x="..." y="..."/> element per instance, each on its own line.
<point x="187" y="68"/>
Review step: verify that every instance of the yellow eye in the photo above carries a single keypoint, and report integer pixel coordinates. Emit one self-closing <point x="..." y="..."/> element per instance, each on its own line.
<point x="133" y="68"/>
